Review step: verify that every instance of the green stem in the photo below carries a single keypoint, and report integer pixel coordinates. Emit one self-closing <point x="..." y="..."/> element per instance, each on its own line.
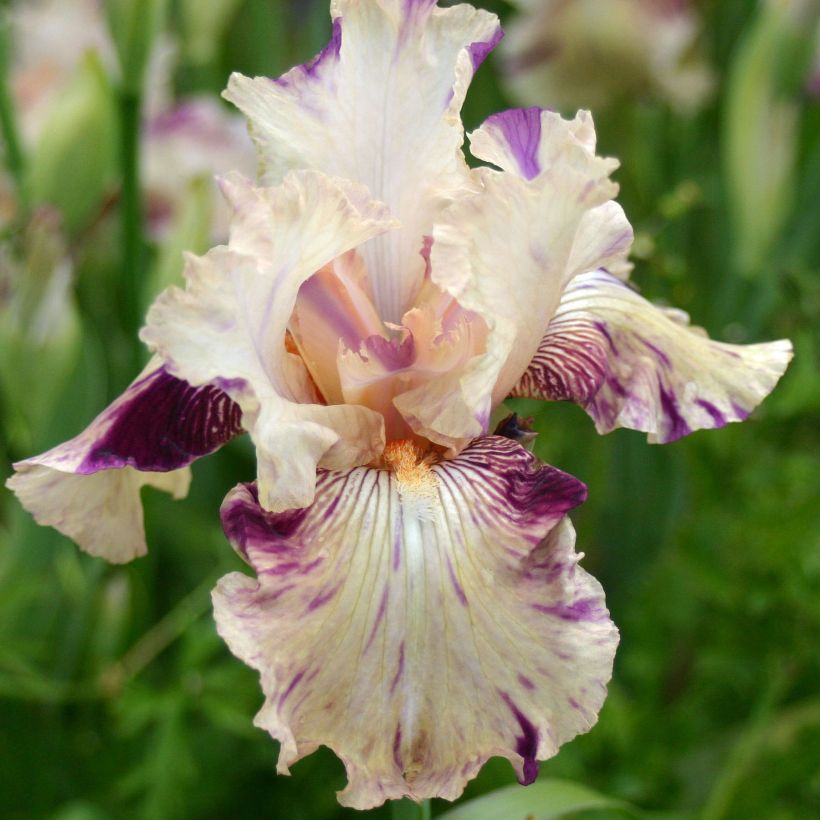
<point x="410" y="810"/>
<point x="15" y="159"/>
<point x="131" y="210"/>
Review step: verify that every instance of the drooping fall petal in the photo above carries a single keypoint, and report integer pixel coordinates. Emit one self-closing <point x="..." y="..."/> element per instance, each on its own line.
<point x="631" y="364"/>
<point x="89" y="487"/>
<point x="421" y="619"/>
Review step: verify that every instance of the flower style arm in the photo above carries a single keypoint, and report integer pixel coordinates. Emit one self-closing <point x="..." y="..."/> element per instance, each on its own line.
<point x="89" y="487"/>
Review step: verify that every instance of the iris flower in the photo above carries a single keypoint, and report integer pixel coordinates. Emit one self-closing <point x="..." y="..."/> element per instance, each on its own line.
<point x="417" y="604"/>
<point x="596" y="53"/>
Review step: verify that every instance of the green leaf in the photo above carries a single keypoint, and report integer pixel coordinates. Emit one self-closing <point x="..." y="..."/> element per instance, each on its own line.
<point x="543" y="800"/>
<point x="410" y="810"/>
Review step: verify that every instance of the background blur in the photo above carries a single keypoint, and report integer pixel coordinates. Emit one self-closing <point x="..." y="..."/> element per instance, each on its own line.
<point x="117" y="698"/>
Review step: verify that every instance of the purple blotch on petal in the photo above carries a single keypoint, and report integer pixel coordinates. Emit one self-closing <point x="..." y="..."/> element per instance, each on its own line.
<point x="479" y="50"/>
<point x="334" y="315"/>
<point x="582" y="610"/>
<point x="527" y="744"/>
<point x="718" y="417"/>
<point x="607" y="335"/>
<point x="525" y="681"/>
<point x="678" y="428"/>
<point x="397" y="747"/>
<point x="291" y="686"/>
<point x="246" y="524"/>
<point x="331" y="508"/>
<point x="392" y="354"/>
<point x="330" y="52"/>
<point x="163" y="423"/>
<point x="399" y="669"/>
<point x="459" y="590"/>
<point x="379" y="615"/>
<point x="521" y="128"/>
<point x="662" y="357"/>
<point x="322" y="598"/>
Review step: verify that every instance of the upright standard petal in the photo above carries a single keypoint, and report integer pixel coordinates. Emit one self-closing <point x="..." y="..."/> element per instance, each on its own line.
<point x="89" y="487"/>
<point x="506" y="253"/>
<point x="631" y="364"/>
<point x="228" y="327"/>
<point x="420" y="619"/>
<point x="380" y="106"/>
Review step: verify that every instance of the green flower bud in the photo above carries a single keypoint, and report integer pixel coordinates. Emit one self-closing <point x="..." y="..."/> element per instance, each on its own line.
<point x="204" y="25"/>
<point x="39" y="328"/>
<point x="134" y="25"/>
<point x="761" y="125"/>
<point x="74" y="160"/>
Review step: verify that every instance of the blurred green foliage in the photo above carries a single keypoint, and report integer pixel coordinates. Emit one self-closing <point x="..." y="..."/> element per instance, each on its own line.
<point x="117" y="698"/>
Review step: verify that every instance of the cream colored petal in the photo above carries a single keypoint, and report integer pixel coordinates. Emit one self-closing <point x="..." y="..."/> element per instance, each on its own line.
<point x="380" y="105"/>
<point x="89" y="487"/>
<point x="228" y="326"/>
<point x="631" y="364"/>
<point x="101" y="512"/>
<point x="418" y="622"/>
<point x="506" y="254"/>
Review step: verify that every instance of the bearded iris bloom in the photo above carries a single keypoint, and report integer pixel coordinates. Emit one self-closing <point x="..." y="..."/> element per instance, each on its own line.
<point x="417" y="604"/>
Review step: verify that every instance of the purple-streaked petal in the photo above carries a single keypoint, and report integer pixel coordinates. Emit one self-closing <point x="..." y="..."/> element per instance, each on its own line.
<point x="421" y="620"/>
<point x="518" y="141"/>
<point x="228" y="327"/>
<point x="380" y="106"/>
<point x="631" y="364"/>
<point x="89" y="487"/>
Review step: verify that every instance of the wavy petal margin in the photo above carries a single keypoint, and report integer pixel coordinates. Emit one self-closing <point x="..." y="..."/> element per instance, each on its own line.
<point x="228" y="326"/>
<point x="631" y="364"/>
<point x="89" y="487"/>
<point x="418" y="622"/>
<point x="380" y="105"/>
<point x="506" y="253"/>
